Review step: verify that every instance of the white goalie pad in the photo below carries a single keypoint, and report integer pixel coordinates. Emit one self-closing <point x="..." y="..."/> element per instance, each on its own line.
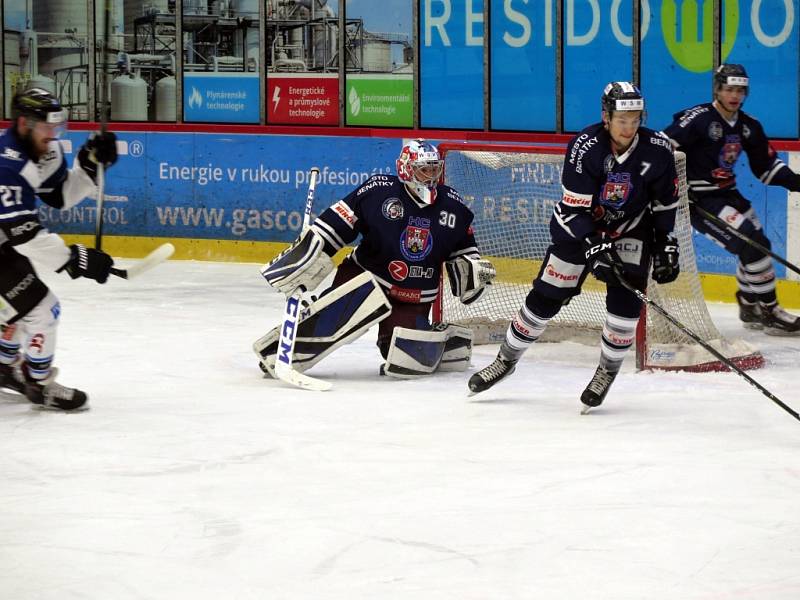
<point x="337" y="318"/>
<point x="304" y="265"/>
<point x="414" y="353"/>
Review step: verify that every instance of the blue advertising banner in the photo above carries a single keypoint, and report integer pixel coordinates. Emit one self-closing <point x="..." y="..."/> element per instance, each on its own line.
<point x="221" y="97"/>
<point x="678" y="55"/>
<point x="597" y="50"/>
<point x="451" y="63"/>
<point x="767" y="45"/>
<point x="227" y="187"/>
<point x="523" y="85"/>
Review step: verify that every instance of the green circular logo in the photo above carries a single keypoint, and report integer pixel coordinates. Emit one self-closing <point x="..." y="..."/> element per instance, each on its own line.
<point x="689" y="36"/>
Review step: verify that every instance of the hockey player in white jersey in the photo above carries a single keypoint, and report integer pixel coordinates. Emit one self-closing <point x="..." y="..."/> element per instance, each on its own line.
<point x="616" y="216"/>
<point x="32" y="164"/>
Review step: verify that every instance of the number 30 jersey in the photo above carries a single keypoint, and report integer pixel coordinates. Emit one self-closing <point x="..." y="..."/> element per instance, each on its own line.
<point x="403" y="241"/>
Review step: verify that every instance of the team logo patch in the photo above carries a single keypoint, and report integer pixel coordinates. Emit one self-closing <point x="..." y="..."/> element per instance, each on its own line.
<point x="608" y="163"/>
<point x="392" y="209"/>
<point x="745" y="131"/>
<point x="715" y="131"/>
<point x="730" y="152"/>
<point x="616" y="190"/>
<point x="398" y="270"/>
<point x="416" y="242"/>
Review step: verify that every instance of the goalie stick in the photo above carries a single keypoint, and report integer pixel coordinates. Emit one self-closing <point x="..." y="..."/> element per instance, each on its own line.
<point x="718" y="355"/>
<point x="291" y="318"/>
<point x="155" y="258"/>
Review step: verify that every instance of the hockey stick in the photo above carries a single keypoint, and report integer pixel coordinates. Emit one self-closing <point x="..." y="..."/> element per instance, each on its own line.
<point x="101" y="175"/>
<point x="155" y="258"/>
<point x="291" y="318"/>
<point x="715" y="219"/>
<point x="724" y="360"/>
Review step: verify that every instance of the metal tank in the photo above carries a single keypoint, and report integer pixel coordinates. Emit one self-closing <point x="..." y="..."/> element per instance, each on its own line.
<point x="377" y="55"/>
<point x="165" y="99"/>
<point x="11" y="40"/>
<point x="129" y="98"/>
<point x="246" y="47"/>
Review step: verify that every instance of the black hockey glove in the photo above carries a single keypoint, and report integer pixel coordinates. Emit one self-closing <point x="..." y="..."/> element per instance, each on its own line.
<point x="665" y="258"/>
<point x="88" y="262"/>
<point x="100" y="148"/>
<point x="602" y="258"/>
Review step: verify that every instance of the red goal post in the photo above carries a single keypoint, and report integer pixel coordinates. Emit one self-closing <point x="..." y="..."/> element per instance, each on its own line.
<point x="512" y="190"/>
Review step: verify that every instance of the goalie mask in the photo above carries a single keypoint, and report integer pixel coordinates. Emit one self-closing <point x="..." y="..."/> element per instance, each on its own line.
<point x="419" y="167"/>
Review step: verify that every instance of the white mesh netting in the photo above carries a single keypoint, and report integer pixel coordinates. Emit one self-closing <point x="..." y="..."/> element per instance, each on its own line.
<point x="512" y="192"/>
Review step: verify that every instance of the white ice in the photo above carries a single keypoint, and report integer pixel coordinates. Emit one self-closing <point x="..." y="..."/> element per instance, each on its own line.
<point x="191" y="477"/>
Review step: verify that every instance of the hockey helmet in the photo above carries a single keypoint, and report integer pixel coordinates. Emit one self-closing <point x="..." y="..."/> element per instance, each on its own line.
<point x="731" y="74"/>
<point x="621" y="95"/>
<point x="420" y="166"/>
<point x="38" y="104"/>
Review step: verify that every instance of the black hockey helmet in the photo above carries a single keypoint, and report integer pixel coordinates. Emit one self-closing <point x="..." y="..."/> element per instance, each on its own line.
<point x="38" y="104"/>
<point x="621" y="95"/>
<point x="731" y="74"/>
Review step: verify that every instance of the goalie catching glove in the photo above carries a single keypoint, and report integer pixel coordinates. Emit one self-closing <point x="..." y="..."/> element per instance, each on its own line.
<point x="469" y="277"/>
<point x="304" y="264"/>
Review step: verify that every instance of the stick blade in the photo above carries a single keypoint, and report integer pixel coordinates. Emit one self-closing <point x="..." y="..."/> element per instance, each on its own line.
<point x="300" y="380"/>
<point x="155" y="258"/>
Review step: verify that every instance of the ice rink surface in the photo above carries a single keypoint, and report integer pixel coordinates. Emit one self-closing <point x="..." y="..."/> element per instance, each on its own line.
<point x="191" y="477"/>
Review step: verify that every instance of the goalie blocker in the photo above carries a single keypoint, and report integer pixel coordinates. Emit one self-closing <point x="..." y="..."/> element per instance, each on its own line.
<point x="345" y="313"/>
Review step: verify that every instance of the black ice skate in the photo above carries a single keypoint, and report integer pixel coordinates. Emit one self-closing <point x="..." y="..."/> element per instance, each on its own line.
<point x="598" y="387"/>
<point x="494" y="373"/>
<point x="749" y="313"/>
<point x="54" y="395"/>
<point x="11" y="378"/>
<point x="777" y="321"/>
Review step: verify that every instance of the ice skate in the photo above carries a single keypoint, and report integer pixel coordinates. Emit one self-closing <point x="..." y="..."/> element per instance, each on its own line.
<point x="492" y="374"/>
<point x="749" y="313"/>
<point x="54" y="395"/>
<point x="598" y="387"/>
<point x="777" y="321"/>
<point x="11" y="378"/>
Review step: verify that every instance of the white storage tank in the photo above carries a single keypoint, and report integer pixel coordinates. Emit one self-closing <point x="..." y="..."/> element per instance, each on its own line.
<point x="129" y="98"/>
<point x="166" y="91"/>
<point x="377" y="55"/>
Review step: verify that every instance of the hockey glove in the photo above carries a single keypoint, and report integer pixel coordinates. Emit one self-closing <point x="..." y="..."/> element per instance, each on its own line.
<point x="100" y="148"/>
<point x="601" y="256"/>
<point x="304" y="264"/>
<point x="665" y="258"/>
<point x="469" y="277"/>
<point x="89" y="263"/>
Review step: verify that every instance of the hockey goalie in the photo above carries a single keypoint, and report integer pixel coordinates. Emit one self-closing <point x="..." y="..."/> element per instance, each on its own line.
<point x="410" y="225"/>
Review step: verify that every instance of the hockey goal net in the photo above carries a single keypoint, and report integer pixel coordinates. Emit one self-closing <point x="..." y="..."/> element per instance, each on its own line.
<point x="512" y="191"/>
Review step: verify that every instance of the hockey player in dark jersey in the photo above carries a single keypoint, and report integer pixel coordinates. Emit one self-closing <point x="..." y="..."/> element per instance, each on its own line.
<point x="32" y="164"/>
<point x="615" y="217"/>
<point x="410" y="224"/>
<point x="713" y="136"/>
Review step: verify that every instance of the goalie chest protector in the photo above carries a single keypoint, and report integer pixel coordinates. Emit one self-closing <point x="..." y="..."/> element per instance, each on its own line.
<point x="403" y="244"/>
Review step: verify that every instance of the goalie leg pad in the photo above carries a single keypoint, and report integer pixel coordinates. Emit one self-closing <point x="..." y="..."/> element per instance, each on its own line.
<point x="337" y="318"/>
<point x="414" y="353"/>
